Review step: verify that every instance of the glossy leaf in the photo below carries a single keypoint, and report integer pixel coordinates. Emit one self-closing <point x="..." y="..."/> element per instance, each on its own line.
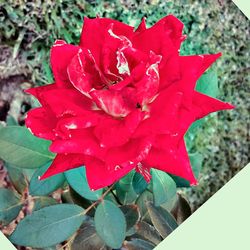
<point x="148" y="232"/>
<point x="48" y="226"/>
<point x="125" y="183"/>
<point x="110" y="224"/>
<point x="208" y="83"/>
<point x="196" y="163"/>
<point x="139" y="183"/>
<point x="164" y="187"/>
<point x="131" y="213"/>
<point x="141" y="202"/>
<point x="43" y="201"/>
<point x="181" y="210"/>
<point x="11" y="121"/>
<point x="78" y="181"/>
<point x="17" y="178"/>
<point x="138" y="244"/>
<point x="162" y="220"/>
<point x="81" y="201"/>
<point x="87" y="238"/>
<point x="10" y="206"/>
<point x="47" y="186"/>
<point x="20" y="148"/>
<point x="127" y="196"/>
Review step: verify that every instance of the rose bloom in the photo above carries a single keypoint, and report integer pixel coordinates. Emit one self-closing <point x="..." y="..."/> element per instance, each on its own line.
<point x="123" y="99"/>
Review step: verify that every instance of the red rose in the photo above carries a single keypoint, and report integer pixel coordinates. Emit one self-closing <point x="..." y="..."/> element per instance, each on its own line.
<point x="122" y="99"/>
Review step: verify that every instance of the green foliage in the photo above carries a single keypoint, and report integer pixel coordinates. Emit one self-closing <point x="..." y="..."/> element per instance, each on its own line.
<point x="131" y="213"/>
<point x="77" y="180"/>
<point x="108" y="214"/>
<point x="20" y="148"/>
<point x="164" y="187"/>
<point x="87" y="238"/>
<point x="147" y="231"/>
<point x="10" y="206"/>
<point x="139" y="183"/>
<point x="208" y="84"/>
<point x="17" y="178"/>
<point x="47" y="186"/>
<point x="43" y="201"/>
<point x="181" y="211"/>
<point x="163" y="221"/>
<point x="135" y="244"/>
<point x="48" y="226"/>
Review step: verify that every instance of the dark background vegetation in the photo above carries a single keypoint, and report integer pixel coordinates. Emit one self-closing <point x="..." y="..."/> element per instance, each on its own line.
<point x="29" y="28"/>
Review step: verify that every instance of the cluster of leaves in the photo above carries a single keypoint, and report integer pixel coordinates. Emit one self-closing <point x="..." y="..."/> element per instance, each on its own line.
<point x="131" y="213"/>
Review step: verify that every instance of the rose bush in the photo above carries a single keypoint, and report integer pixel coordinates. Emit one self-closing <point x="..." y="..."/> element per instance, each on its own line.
<point x="123" y="99"/>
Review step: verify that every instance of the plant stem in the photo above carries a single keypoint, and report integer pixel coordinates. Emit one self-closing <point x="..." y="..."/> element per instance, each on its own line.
<point x="116" y="197"/>
<point x="99" y="200"/>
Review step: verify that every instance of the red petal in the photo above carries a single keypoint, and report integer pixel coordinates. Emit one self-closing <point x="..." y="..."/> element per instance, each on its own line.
<point x="148" y="86"/>
<point x="38" y="91"/>
<point x="99" y="176"/>
<point x="66" y="125"/>
<point x="94" y="40"/>
<point x="173" y="162"/>
<point x="163" y="38"/>
<point x="163" y="115"/>
<point x="115" y="64"/>
<point x="60" y="57"/>
<point x="132" y="152"/>
<point x="111" y="101"/>
<point x="81" y="141"/>
<point x="62" y="163"/>
<point x="142" y="26"/>
<point x="84" y="73"/>
<point x="112" y="132"/>
<point x="204" y="105"/>
<point x="66" y="101"/>
<point x="41" y="122"/>
<point x="144" y="170"/>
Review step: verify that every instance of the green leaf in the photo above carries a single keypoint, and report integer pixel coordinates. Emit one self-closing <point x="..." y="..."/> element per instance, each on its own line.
<point x="10" y="206"/>
<point x="148" y="232"/>
<point x="47" y="186"/>
<point x="20" y="148"/>
<point x="48" y="226"/>
<point x="196" y="163"/>
<point x="208" y="83"/>
<point x="42" y="202"/>
<point x="162" y="220"/>
<point x="87" y="238"/>
<point x="126" y="197"/>
<point x="17" y="178"/>
<point x="81" y="201"/>
<point x="181" y="210"/>
<point x="164" y="187"/>
<point x="138" y="244"/>
<point x="141" y="202"/>
<point x="139" y="183"/>
<point x="110" y="224"/>
<point x="10" y="120"/>
<point x="78" y="181"/>
<point x="131" y="213"/>
<point x="125" y="183"/>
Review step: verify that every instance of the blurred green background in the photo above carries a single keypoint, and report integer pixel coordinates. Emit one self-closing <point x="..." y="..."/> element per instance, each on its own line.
<point x="29" y="28"/>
